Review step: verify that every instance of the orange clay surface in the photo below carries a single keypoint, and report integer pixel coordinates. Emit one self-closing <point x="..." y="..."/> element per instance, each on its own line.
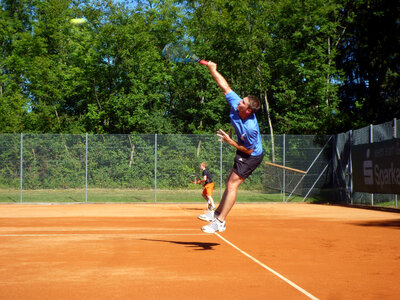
<point x="157" y="251"/>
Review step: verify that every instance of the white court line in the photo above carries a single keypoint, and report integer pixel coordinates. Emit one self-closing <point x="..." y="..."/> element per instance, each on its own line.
<point x="71" y="229"/>
<point x="94" y="234"/>
<point x="269" y="269"/>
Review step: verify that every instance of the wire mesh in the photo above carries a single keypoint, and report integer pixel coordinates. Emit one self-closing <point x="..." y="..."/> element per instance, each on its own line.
<point x="54" y="167"/>
<point x="119" y="167"/>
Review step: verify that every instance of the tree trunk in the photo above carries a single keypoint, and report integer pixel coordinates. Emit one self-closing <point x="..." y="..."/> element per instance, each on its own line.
<point x="270" y="126"/>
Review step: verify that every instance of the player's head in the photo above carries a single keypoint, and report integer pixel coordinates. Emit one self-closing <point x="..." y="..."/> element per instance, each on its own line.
<point x="248" y="105"/>
<point x="203" y="165"/>
<point x="254" y="103"/>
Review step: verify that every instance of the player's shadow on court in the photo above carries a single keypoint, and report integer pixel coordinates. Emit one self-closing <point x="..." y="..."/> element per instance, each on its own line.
<point x="381" y="223"/>
<point x="198" y="246"/>
<point x="195" y="209"/>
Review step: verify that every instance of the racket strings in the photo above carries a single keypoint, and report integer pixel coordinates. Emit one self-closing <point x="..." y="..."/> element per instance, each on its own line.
<point x="177" y="53"/>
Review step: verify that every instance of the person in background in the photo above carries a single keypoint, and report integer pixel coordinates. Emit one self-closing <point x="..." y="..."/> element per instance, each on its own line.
<point x="208" y="185"/>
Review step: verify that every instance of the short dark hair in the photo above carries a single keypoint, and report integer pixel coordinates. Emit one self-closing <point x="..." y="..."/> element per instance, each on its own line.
<point x="254" y="103"/>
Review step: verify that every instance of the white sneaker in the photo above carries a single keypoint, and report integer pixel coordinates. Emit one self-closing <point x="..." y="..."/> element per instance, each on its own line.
<point x="208" y="216"/>
<point x="214" y="226"/>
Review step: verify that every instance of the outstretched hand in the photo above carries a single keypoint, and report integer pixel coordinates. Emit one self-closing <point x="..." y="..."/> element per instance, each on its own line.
<point x="224" y="136"/>
<point x="212" y="66"/>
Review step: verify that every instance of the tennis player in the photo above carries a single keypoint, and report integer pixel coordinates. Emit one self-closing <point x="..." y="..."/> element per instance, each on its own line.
<point x="249" y="152"/>
<point x="208" y="185"/>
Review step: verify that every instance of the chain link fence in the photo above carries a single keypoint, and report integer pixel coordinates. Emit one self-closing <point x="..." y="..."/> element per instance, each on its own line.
<point x="159" y="168"/>
<point x="155" y="168"/>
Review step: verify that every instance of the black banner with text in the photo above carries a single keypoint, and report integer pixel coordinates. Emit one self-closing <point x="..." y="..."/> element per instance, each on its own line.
<point x="376" y="167"/>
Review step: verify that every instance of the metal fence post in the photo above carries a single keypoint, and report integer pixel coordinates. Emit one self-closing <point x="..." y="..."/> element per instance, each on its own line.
<point x="86" y="168"/>
<point x="220" y="170"/>
<point x="283" y="170"/>
<point x="351" y="166"/>
<point x="155" y="167"/>
<point x="371" y="140"/>
<point x="395" y="136"/>
<point x="335" y="165"/>
<point x="309" y="168"/>
<point x="21" y="167"/>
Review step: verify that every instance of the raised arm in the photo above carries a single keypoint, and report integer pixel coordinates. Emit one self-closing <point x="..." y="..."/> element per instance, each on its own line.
<point x="221" y="81"/>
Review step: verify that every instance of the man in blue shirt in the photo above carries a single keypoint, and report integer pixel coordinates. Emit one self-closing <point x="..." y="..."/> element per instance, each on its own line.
<point x="249" y="153"/>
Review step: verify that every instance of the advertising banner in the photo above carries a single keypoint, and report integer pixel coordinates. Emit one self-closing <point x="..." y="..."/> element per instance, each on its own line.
<point x="376" y="167"/>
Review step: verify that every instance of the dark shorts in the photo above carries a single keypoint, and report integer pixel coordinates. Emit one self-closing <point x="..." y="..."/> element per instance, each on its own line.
<point x="245" y="164"/>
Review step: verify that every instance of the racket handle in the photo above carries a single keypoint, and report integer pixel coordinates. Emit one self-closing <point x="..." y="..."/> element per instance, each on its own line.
<point x="203" y="62"/>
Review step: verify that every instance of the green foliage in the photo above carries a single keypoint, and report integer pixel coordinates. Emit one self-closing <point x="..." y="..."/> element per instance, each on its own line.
<point x="57" y="163"/>
<point x="369" y="57"/>
<point x="280" y="50"/>
<point x="108" y="75"/>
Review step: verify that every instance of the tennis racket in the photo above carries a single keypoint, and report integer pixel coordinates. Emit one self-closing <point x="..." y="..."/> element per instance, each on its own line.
<point x="178" y="53"/>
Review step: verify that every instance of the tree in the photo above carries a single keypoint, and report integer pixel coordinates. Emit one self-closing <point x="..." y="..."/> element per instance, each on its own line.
<point x="303" y="80"/>
<point x="14" y="18"/>
<point x="283" y="52"/>
<point x="369" y="56"/>
<point x="129" y="83"/>
<point x="108" y="75"/>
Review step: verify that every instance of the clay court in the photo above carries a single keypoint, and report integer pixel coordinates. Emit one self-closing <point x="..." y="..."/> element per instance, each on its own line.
<point x="157" y="251"/>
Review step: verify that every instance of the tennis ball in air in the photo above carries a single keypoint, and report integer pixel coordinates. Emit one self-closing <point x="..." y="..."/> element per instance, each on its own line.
<point x="78" y="21"/>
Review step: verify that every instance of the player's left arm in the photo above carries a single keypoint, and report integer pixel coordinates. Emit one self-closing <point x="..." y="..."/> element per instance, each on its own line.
<point x="226" y="138"/>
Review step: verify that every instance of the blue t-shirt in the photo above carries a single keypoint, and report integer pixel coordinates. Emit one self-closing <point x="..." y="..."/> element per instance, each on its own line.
<point x="247" y="131"/>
